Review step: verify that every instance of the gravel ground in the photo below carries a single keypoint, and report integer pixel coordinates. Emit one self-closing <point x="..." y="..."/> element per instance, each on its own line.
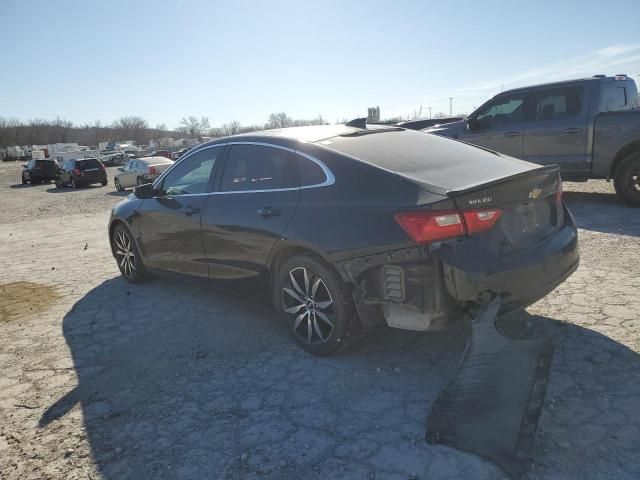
<point x="101" y="379"/>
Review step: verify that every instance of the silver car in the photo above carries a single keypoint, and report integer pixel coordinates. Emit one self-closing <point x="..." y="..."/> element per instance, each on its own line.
<point x="140" y="170"/>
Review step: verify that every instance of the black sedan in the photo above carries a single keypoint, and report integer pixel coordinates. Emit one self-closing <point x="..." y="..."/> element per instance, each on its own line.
<point x="344" y="228"/>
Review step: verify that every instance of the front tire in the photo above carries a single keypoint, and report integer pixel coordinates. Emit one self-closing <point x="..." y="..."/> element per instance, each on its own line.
<point x="128" y="256"/>
<point x="627" y="179"/>
<point x="139" y="181"/>
<point x="24" y="180"/>
<point x="58" y="184"/>
<point x="103" y="183"/>
<point x="315" y="299"/>
<point x="117" y="184"/>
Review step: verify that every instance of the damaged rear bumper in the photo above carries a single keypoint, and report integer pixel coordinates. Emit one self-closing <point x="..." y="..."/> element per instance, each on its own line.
<point x="520" y="279"/>
<point x="420" y="288"/>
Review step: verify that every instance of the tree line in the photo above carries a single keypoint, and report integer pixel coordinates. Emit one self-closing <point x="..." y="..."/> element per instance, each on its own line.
<point x="14" y="132"/>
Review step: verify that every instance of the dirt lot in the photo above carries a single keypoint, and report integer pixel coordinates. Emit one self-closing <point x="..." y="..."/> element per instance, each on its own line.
<point x="100" y="379"/>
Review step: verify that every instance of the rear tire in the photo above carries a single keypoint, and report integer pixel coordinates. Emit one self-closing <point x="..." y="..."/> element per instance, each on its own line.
<point x="139" y="181"/>
<point x="58" y="184"/>
<point x="103" y="183"/>
<point x="24" y="180"/>
<point x="318" y="307"/>
<point x="128" y="256"/>
<point x="627" y="179"/>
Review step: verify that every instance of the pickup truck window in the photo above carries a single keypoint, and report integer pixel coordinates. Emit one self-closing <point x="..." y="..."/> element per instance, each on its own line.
<point x="557" y="103"/>
<point x="614" y="97"/>
<point x="506" y="109"/>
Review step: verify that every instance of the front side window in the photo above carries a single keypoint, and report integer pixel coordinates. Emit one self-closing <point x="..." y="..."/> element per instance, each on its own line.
<point x="259" y="167"/>
<point x="557" y="103"/>
<point x="507" y="109"/>
<point x="191" y="175"/>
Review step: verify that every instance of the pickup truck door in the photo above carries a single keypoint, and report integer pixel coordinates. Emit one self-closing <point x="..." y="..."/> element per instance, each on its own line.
<point x="556" y="130"/>
<point x="498" y="125"/>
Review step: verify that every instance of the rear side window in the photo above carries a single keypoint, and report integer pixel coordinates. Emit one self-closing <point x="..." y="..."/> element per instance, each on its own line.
<point x="259" y="167"/>
<point x="614" y="97"/>
<point x="45" y="163"/>
<point x="310" y="172"/>
<point x="556" y="104"/>
<point x="87" y="163"/>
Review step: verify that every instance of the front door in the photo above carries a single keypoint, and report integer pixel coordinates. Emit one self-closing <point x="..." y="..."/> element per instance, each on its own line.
<point x="498" y="125"/>
<point x="556" y="130"/>
<point x="257" y="198"/>
<point x="168" y="225"/>
<point x="127" y="176"/>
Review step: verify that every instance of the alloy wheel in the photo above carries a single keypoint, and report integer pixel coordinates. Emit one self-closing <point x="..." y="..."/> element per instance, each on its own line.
<point x="307" y="299"/>
<point x="125" y="256"/>
<point x="633" y="180"/>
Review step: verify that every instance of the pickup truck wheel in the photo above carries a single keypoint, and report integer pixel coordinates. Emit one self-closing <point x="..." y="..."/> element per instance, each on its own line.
<point x="627" y="179"/>
<point x="24" y="181"/>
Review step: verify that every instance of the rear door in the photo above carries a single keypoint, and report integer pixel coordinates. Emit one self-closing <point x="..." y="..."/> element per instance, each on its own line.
<point x="556" y="129"/>
<point x="257" y="198"/>
<point x="168" y="225"/>
<point x="499" y="125"/>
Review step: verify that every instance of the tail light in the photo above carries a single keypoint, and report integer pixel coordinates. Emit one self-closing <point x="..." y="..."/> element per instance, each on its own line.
<point x="102" y="168"/>
<point x="153" y="171"/>
<point x="426" y="227"/>
<point x="77" y="171"/>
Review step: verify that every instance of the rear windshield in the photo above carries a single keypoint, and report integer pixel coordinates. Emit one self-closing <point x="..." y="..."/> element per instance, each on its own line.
<point x="87" y="163"/>
<point x="436" y="163"/>
<point x="45" y="163"/>
<point x="156" y="160"/>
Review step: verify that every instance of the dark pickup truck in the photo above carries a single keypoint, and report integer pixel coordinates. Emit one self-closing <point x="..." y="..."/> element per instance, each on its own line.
<point x="590" y="127"/>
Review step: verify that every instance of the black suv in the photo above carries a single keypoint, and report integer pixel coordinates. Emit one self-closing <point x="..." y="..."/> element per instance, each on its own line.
<point x="81" y="172"/>
<point x="36" y="171"/>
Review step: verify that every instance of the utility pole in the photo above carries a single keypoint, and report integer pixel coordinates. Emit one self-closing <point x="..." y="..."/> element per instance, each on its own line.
<point x="451" y="106"/>
<point x="429" y="111"/>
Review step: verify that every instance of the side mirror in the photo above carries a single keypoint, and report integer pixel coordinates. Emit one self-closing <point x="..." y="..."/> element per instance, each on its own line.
<point x="25" y="165"/>
<point x="121" y="169"/>
<point x="144" y="191"/>
<point x="471" y="123"/>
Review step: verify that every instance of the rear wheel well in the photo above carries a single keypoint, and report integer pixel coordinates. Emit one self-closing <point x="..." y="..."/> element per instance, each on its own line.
<point x="622" y="154"/>
<point x="284" y="254"/>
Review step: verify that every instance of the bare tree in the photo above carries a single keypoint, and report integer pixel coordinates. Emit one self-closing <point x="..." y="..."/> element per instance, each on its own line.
<point x="193" y="126"/>
<point x="230" y="128"/>
<point x="132" y="128"/>
<point x="279" y="120"/>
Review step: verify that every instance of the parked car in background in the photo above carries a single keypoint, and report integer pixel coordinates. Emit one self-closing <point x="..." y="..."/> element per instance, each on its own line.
<point x="139" y="171"/>
<point x="176" y="155"/>
<point x="427" y="122"/>
<point x="590" y="127"/>
<point x="113" y="159"/>
<point x="37" y="171"/>
<point x="344" y="227"/>
<point x="160" y="153"/>
<point x="78" y="173"/>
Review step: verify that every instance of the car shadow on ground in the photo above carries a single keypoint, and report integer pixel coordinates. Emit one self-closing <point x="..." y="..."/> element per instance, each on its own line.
<point x="123" y="193"/>
<point x="603" y="212"/>
<point x="179" y="381"/>
<point x="28" y="185"/>
<point x="69" y="188"/>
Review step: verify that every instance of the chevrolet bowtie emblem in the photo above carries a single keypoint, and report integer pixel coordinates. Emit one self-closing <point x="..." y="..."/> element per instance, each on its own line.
<point x="535" y="193"/>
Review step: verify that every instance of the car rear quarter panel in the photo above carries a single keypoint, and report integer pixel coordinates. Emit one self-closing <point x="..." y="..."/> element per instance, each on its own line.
<point x="355" y="215"/>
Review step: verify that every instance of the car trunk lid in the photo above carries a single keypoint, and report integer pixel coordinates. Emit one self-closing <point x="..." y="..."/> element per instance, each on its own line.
<point x="529" y="203"/>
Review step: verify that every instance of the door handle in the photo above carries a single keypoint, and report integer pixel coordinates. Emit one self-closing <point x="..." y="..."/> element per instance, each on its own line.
<point x="269" y="212"/>
<point x="569" y="131"/>
<point x="512" y="134"/>
<point x="190" y="211"/>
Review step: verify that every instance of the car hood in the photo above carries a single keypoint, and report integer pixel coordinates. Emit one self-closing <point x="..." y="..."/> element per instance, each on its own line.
<point x="451" y="130"/>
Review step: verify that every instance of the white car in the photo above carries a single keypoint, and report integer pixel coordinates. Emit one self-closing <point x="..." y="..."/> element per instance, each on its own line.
<point x="140" y="170"/>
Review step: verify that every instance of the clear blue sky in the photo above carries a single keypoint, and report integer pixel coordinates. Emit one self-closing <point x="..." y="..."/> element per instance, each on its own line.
<point x="92" y="60"/>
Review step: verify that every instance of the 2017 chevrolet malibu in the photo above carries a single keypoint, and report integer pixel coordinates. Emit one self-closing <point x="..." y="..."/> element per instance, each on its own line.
<point x="344" y="227"/>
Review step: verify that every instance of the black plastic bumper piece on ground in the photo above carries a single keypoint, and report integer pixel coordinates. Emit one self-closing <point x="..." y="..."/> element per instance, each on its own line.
<point x="492" y="405"/>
